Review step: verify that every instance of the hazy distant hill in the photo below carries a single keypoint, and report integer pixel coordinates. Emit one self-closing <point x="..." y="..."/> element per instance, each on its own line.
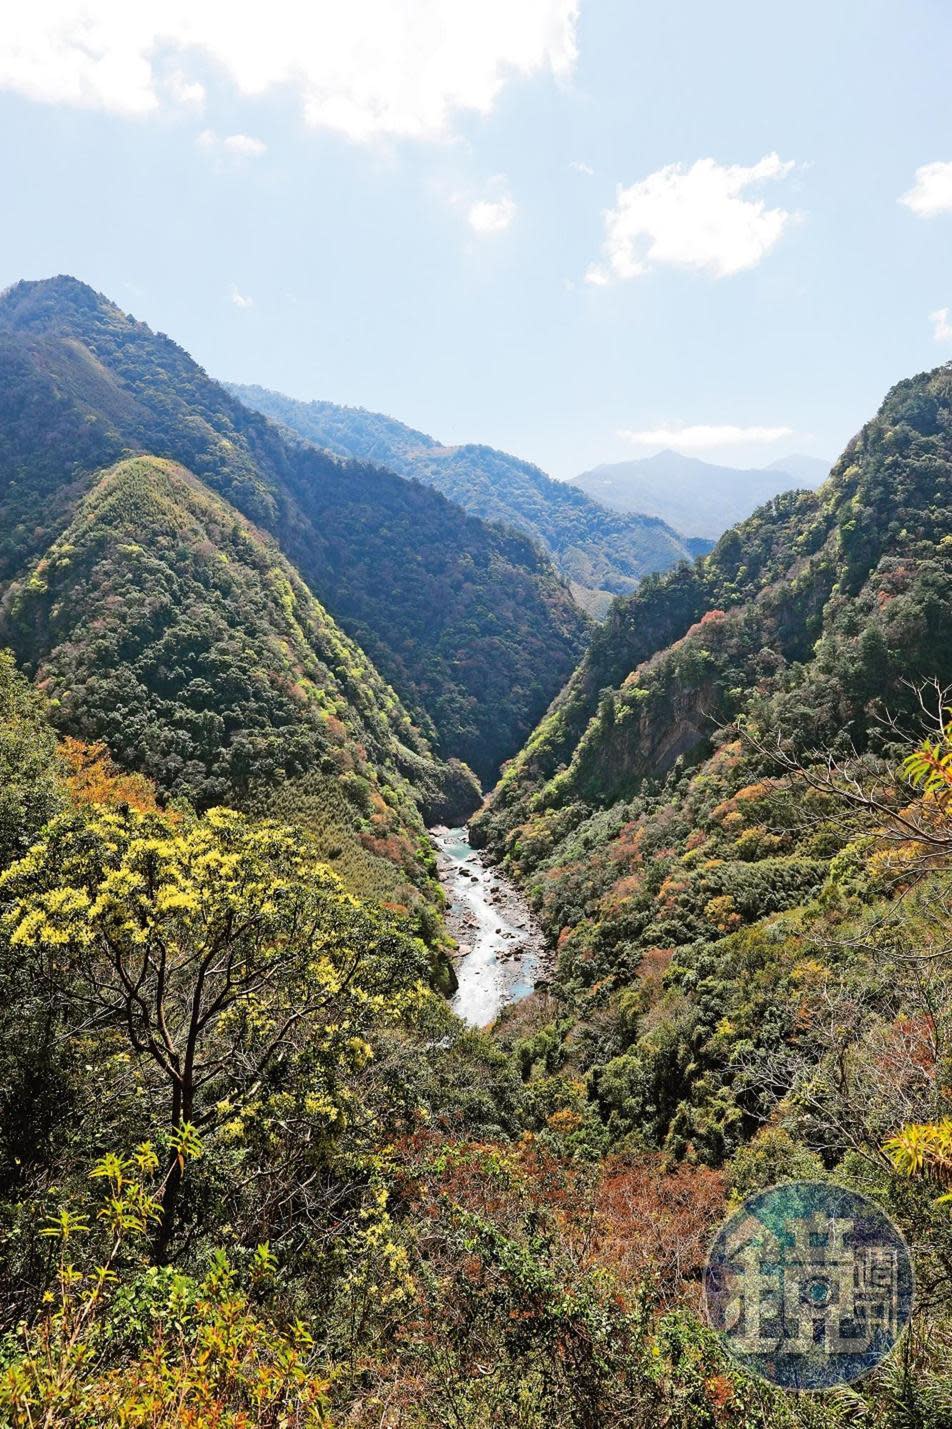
<point x="808" y="471"/>
<point x="596" y="549"/>
<point x="696" y="497"/>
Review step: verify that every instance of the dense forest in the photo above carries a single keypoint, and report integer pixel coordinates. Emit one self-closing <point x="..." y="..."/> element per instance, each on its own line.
<point x="469" y="623"/>
<point x="601" y="552"/>
<point x="253" y="1169"/>
<point x="162" y="624"/>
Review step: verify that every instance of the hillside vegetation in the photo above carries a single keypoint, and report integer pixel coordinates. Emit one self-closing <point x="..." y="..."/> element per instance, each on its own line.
<point x="253" y="1170"/>
<point x="820" y="604"/>
<point x="601" y="552"/>
<point x="469" y="623"/>
<point x="700" y="818"/>
<point x="270" y="1179"/>
<point x="162" y="624"/>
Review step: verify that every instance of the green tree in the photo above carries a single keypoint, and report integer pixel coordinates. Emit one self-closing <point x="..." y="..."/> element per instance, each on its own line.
<point x="31" y="786"/>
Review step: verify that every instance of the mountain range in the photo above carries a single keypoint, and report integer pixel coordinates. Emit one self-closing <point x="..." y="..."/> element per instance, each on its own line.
<point x="689" y="816"/>
<point x="696" y="497"/>
<point x="600" y="552"/>
<point x="469" y="623"/>
<point x="287" y="1182"/>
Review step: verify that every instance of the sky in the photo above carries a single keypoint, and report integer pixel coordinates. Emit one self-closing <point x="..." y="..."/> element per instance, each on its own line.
<point x="580" y="232"/>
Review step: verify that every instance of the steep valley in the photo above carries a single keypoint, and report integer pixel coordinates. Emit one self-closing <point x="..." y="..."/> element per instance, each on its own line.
<point x="332" y="1083"/>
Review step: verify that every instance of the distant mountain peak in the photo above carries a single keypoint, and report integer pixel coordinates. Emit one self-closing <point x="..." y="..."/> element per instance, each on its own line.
<point x="33" y="301"/>
<point x="808" y="470"/>
<point x="697" y="498"/>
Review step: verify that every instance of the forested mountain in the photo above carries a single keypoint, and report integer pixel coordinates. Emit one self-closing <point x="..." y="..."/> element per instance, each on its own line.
<point x="697" y="498"/>
<point x="711" y="819"/>
<point x="253" y="1170"/>
<point x="601" y="552"/>
<point x="162" y="623"/>
<point x="469" y="623"/>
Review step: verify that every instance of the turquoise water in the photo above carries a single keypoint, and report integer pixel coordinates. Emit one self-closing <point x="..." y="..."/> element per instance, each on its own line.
<point x="491" y="920"/>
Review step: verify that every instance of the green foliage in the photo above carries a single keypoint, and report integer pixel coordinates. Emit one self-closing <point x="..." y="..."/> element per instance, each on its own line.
<point x="117" y="1343"/>
<point x="924" y="1150"/>
<point x="602" y="552"/>
<point x="468" y="622"/>
<point x="30" y="785"/>
<point x="343" y="1206"/>
<point x="929" y="767"/>
<point x="773" y="1155"/>
<point x="694" y="889"/>
<point x="217" y="960"/>
<point x="808" y="617"/>
<point x="164" y="624"/>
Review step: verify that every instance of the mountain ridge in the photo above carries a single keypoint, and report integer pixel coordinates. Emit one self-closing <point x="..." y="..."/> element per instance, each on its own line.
<point x="162" y="623"/>
<point x="469" y="623"/>
<point x="598" y="550"/>
<point x="704" y="820"/>
<point x="693" y="496"/>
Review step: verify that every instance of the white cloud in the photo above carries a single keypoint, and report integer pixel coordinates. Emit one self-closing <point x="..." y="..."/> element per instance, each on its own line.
<point x="185" y="92"/>
<point x="701" y="438"/>
<point x="580" y="167"/>
<point x="932" y="191"/>
<point x="941" y="325"/>
<point x="367" y="68"/>
<point x="244" y="146"/>
<point x="240" y="300"/>
<point x="491" y="215"/>
<point x="693" y="217"/>
<point x="240" y="146"/>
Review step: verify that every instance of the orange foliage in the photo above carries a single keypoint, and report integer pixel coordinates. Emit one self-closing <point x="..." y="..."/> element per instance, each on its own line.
<point x="728" y="810"/>
<point x="393" y="848"/>
<point x="627" y="887"/>
<point x="93" y="778"/>
<point x="652" y="968"/>
<point x="336" y="728"/>
<point x="632" y="1217"/>
<point x="652" y="1223"/>
<point x="910" y="1047"/>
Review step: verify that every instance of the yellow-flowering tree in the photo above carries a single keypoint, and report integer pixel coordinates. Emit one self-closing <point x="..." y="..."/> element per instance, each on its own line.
<point x="219" y="952"/>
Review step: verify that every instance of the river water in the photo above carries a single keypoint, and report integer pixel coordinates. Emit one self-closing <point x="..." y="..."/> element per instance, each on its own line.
<point x="501" y="948"/>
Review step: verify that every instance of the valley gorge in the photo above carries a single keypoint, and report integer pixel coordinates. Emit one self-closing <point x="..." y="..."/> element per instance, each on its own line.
<point x="402" y="973"/>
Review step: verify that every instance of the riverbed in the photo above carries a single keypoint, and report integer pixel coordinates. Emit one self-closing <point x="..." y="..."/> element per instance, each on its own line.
<point x="501" y="947"/>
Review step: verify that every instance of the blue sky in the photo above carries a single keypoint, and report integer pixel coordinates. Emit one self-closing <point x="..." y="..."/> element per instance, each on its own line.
<point x="574" y="232"/>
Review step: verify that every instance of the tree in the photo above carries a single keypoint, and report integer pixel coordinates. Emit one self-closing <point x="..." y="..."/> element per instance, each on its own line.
<point x="221" y="952"/>
<point x="116" y="1342"/>
<point x="31" y="789"/>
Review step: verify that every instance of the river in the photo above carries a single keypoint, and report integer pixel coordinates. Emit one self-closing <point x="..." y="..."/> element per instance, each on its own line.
<point x="501" y="947"/>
